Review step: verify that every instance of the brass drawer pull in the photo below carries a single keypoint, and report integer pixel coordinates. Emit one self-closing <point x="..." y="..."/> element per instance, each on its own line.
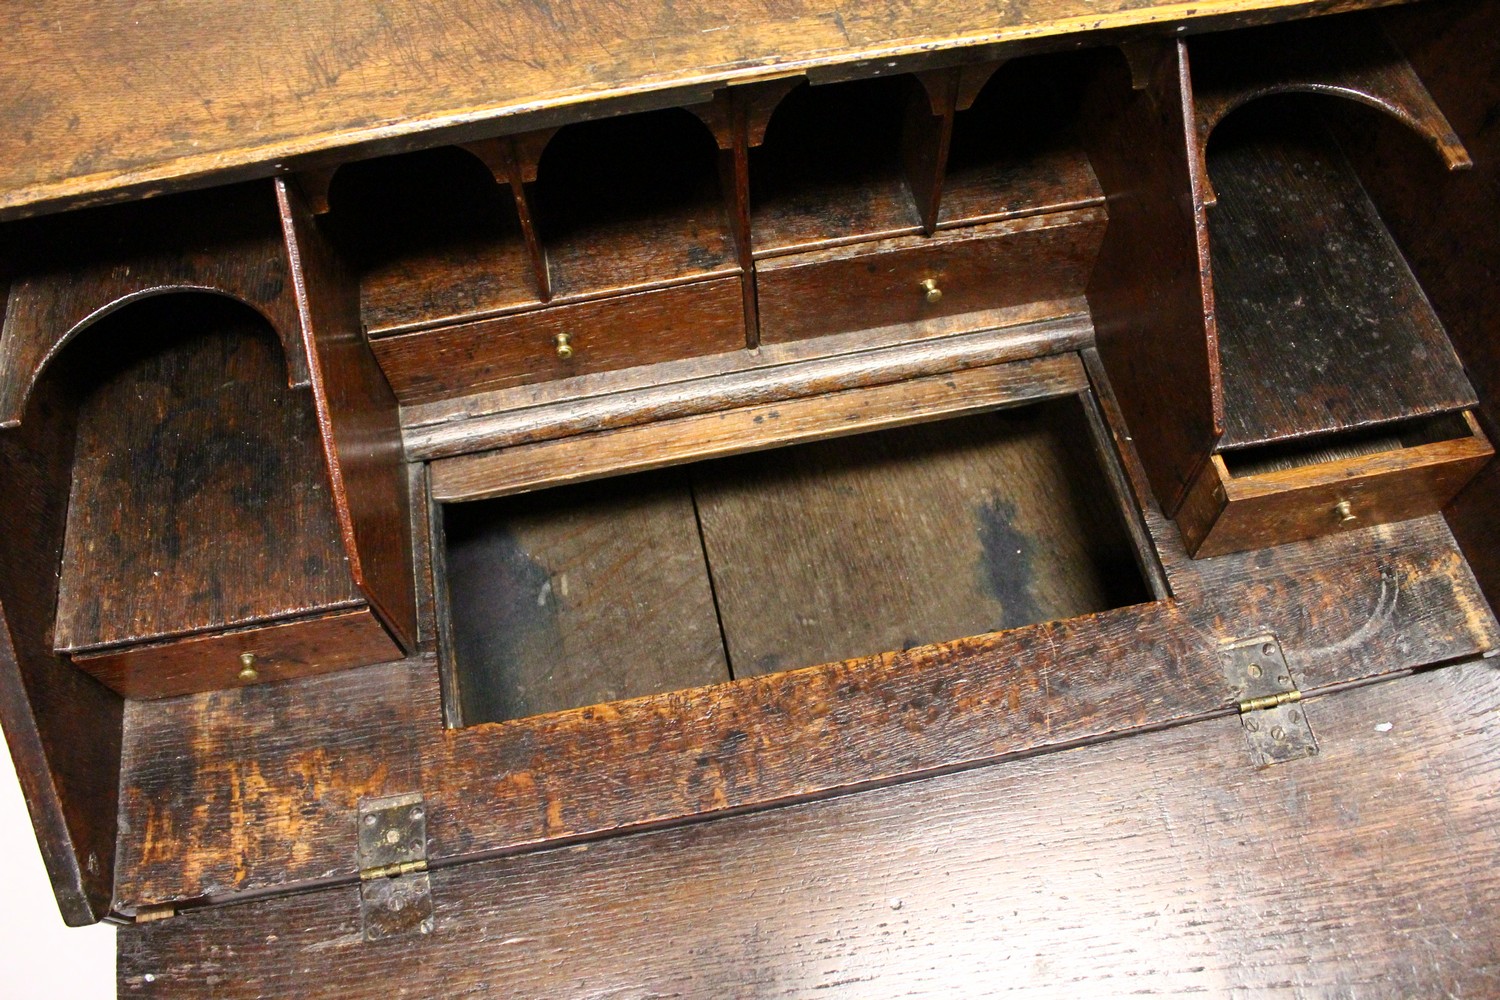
<point x="934" y="293"/>
<point x="1344" y="512"/>
<point x="564" y="346"/>
<point x="248" y="674"/>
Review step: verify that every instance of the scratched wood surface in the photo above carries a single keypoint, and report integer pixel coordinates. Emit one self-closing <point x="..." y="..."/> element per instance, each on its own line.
<point x="1322" y="325"/>
<point x="579" y="595"/>
<point x="1162" y="864"/>
<point x="887" y="541"/>
<point x="1357" y="605"/>
<point x="192" y="442"/>
<point x="123" y="99"/>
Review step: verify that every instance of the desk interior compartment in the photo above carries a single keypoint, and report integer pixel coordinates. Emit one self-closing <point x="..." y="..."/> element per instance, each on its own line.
<point x="781" y="559"/>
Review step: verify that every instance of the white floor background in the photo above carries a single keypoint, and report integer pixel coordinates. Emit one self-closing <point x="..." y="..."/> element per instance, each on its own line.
<point x="39" y="957"/>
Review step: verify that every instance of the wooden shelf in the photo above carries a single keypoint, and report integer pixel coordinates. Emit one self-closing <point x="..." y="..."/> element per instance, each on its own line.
<point x="200" y="499"/>
<point x="1016" y="150"/>
<point x="1322" y="326"/>
<point x="631" y="203"/>
<point x="830" y="170"/>
<point x="434" y="237"/>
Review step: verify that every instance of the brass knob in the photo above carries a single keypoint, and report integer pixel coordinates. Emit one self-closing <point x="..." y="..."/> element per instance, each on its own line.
<point x="1344" y="511"/>
<point x="248" y="674"/>
<point x="564" y="346"/>
<point x="934" y="293"/>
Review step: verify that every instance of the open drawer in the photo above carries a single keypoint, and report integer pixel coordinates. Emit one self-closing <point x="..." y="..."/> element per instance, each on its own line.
<point x="1283" y="493"/>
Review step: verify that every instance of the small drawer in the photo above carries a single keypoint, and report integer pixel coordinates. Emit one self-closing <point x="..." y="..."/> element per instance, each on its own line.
<point x="1269" y="495"/>
<point x="917" y="279"/>
<point x="704" y="317"/>
<point x="297" y="648"/>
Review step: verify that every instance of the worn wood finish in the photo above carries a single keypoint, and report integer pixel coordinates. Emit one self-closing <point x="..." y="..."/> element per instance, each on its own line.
<point x="282" y="650"/>
<point x="1162" y="864"/>
<point x="434" y="238"/>
<point x="1016" y="149"/>
<point x="199" y="496"/>
<point x="704" y="317"/>
<point x="579" y="596"/>
<point x="835" y="550"/>
<point x="1443" y="223"/>
<point x="830" y="171"/>
<point x="775" y="372"/>
<point x="1229" y="512"/>
<point x="231" y="91"/>
<point x="1038" y="259"/>
<point x="1151" y="291"/>
<point x="357" y="422"/>
<point x="64" y="728"/>
<point x="1349" y="58"/>
<point x="1322" y="326"/>
<point x="631" y="203"/>
<point x="68" y="273"/>
<point x="1356" y="605"/>
<point x="730" y="432"/>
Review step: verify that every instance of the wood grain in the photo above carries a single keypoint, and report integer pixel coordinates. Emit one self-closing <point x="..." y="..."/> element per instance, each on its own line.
<point x="231" y="90"/>
<point x="63" y="727"/>
<point x="70" y="272"/>
<point x="1322" y="326"/>
<point x="1358" y="605"/>
<point x="730" y="432"/>
<point x="775" y="372"/>
<point x="1162" y="864"/>
<point x="282" y="651"/>
<point x="199" y="497"/>
<point x="905" y="538"/>
<point x="578" y="596"/>
<point x="433" y="237"/>
<point x="1016" y="150"/>
<point x="1228" y="512"/>
<point x="632" y="202"/>
<point x="1151" y="291"/>
<point x="703" y="317"/>
<point x="357" y="423"/>
<point x="1036" y="259"/>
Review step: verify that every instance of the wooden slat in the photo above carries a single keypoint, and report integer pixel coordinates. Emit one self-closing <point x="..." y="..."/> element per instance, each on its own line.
<point x="732" y="432"/>
<point x="1322" y="326"/>
<point x="579" y="596"/>
<point x="1162" y="864"/>
<point x="107" y="101"/>
<point x="841" y="549"/>
<point x="1358" y="605"/>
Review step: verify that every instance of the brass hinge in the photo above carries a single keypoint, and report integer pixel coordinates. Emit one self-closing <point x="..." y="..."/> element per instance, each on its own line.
<point x="395" y="891"/>
<point x="1264" y="690"/>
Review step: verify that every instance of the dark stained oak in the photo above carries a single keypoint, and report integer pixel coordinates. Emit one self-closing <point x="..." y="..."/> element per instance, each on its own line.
<point x="1322" y="326"/>
<point x="824" y="552"/>
<point x="664" y="324"/>
<point x="1163" y="864"/>
<point x="1151" y="291"/>
<point x="68" y="273"/>
<point x="199" y="498"/>
<point x="881" y="283"/>
<point x="578" y="596"/>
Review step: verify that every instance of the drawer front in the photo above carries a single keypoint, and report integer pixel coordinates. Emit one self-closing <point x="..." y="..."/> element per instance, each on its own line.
<point x="1224" y="513"/>
<point x="916" y="279"/>
<point x="705" y="317"/>
<point x="284" y="650"/>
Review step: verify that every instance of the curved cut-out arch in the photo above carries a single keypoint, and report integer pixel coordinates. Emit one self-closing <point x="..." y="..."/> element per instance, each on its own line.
<point x="1352" y="61"/>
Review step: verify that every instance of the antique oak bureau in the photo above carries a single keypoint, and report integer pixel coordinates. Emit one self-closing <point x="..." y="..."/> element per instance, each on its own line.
<point x="933" y="498"/>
